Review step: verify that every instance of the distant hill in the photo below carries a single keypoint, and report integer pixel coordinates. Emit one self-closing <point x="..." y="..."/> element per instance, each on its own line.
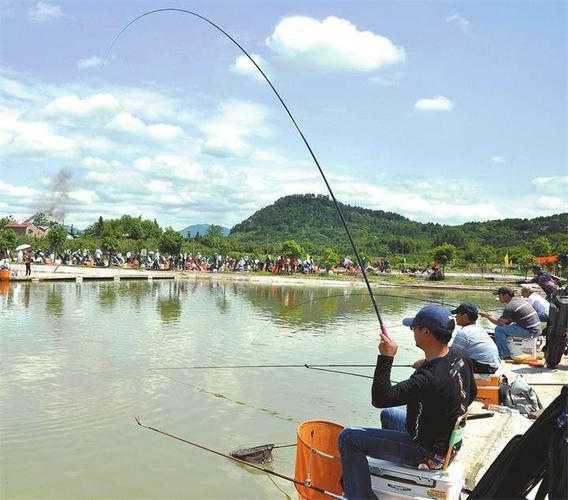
<point x="201" y="229"/>
<point x="313" y="219"/>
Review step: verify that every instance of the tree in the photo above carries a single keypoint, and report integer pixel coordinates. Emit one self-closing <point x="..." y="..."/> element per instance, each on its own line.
<point x="7" y="240"/>
<point x="56" y="238"/>
<point x="523" y="258"/>
<point x="110" y="243"/>
<point x="541" y="246"/>
<point x="214" y="238"/>
<point x="98" y="228"/>
<point x="291" y="249"/>
<point x="444" y="254"/>
<point x="330" y="257"/>
<point x="170" y="242"/>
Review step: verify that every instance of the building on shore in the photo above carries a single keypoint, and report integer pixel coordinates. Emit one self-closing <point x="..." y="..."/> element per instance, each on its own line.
<point x="26" y="229"/>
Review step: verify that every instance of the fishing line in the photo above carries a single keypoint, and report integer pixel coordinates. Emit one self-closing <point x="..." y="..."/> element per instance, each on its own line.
<point x="272" y="413"/>
<point x="297" y="127"/>
<point x="305" y="365"/>
<point x="238" y="460"/>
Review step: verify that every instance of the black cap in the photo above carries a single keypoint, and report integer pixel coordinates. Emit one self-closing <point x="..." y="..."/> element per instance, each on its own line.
<point x="469" y="309"/>
<point x="504" y="290"/>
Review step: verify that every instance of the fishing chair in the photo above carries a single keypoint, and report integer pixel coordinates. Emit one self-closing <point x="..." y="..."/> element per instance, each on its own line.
<point x="390" y="479"/>
<point x="455" y="439"/>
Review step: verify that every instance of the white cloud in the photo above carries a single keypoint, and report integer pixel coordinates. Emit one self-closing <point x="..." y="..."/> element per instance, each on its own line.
<point x="164" y="132"/>
<point x="228" y="132"/>
<point x="159" y="186"/>
<point x="553" y="203"/>
<point x="91" y="162"/>
<point x="461" y="22"/>
<point x="16" y="191"/>
<point x="126" y="122"/>
<point x="171" y="167"/>
<point x="16" y="89"/>
<point x="437" y="103"/>
<point x="84" y="196"/>
<point x="101" y="177"/>
<point x="43" y="11"/>
<point x="555" y="190"/>
<point x="497" y="159"/>
<point x="75" y="106"/>
<point x="147" y="104"/>
<point x="90" y="62"/>
<point x="333" y="43"/>
<point x="243" y="66"/>
<point x="559" y="180"/>
<point x="27" y="137"/>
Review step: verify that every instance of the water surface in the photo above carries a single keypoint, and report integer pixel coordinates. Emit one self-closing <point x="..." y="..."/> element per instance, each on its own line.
<point x="79" y="361"/>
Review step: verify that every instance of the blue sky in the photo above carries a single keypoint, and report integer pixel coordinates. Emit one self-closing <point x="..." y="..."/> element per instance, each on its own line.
<point x="441" y="111"/>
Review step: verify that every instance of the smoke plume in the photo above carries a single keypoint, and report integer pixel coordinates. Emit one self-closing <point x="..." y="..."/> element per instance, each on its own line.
<point x="54" y="203"/>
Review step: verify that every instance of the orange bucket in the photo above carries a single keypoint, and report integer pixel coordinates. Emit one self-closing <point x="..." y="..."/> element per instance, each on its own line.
<point x="318" y="462"/>
<point x="4" y="275"/>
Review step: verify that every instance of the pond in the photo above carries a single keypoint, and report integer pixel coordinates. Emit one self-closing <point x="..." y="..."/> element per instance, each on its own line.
<point x="80" y="361"/>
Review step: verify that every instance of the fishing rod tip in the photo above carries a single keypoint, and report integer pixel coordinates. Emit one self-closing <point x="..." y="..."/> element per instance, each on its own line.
<point x="137" y="421"/>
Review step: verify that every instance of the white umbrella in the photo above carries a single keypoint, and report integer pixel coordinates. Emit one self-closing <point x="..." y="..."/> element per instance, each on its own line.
<point x="23" y="247"/>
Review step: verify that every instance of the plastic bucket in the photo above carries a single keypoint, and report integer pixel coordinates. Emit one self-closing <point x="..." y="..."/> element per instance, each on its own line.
<point x="4" y="275"/>
<point x="317" y="459"/>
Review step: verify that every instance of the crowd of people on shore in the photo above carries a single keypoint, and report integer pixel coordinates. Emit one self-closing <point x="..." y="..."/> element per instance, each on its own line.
<point x="156" y="261"/>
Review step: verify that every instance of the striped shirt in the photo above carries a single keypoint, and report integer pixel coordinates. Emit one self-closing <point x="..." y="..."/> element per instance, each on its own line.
<point x="519" y="311"/>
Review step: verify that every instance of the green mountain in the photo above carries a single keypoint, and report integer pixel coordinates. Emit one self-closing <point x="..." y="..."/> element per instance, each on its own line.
<point x="312" y="221"/>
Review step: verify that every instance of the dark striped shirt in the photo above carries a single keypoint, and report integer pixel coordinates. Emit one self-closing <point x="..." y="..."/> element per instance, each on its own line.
<point x="521" y="312"/>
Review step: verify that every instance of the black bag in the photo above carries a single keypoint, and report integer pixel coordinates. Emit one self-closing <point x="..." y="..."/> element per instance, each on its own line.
<point x="540" y="453"/>
<point x="557" y="328"/>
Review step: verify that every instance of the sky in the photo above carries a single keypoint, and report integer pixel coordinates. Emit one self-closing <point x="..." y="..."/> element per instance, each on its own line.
<point x="443" y="112"/>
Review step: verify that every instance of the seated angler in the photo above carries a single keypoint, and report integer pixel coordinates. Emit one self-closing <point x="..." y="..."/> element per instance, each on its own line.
<point x="472" y="341"/>
<point x="519" y="319"/>
<point x="539" y="303"/>
<point x="421" y="411"/>
<point x="548" y="282"/>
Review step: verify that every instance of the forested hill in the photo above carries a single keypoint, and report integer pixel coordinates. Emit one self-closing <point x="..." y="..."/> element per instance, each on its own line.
<point x="312" y="220"/>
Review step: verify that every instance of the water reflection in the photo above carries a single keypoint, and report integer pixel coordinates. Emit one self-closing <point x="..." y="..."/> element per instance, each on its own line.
<point x="219" y="292"/>
<point x="54" y="300"/>
<point x="107" y="295"/>
<point x="299" y="306"/>
<point x="305" y="307"/>
<point x="137" y="291"/>
<point x="170" y="305"/>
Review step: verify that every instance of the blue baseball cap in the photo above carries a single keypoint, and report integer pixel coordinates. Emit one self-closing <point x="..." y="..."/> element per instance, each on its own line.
<point x="437" y="318"/>
<point x="469" y="309"/>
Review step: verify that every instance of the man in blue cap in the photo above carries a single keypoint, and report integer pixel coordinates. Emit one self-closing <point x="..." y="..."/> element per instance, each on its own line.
<point x="471" y="340"/>
<point x="436" y="395"/>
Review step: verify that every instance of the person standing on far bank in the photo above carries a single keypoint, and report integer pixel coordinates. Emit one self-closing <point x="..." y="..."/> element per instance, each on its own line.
<point x="28" y="263"/>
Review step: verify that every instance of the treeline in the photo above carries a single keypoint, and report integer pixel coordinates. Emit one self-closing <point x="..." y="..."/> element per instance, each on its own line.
<point x="308" y="224"/>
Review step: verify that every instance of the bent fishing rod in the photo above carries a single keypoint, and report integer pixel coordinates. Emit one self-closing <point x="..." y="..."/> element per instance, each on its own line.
<point x="240" y="461"/>
<point x="295" y="123"/>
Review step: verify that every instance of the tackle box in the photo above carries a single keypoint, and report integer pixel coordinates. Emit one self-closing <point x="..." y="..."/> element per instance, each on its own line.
<point x="394" y="481"/>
